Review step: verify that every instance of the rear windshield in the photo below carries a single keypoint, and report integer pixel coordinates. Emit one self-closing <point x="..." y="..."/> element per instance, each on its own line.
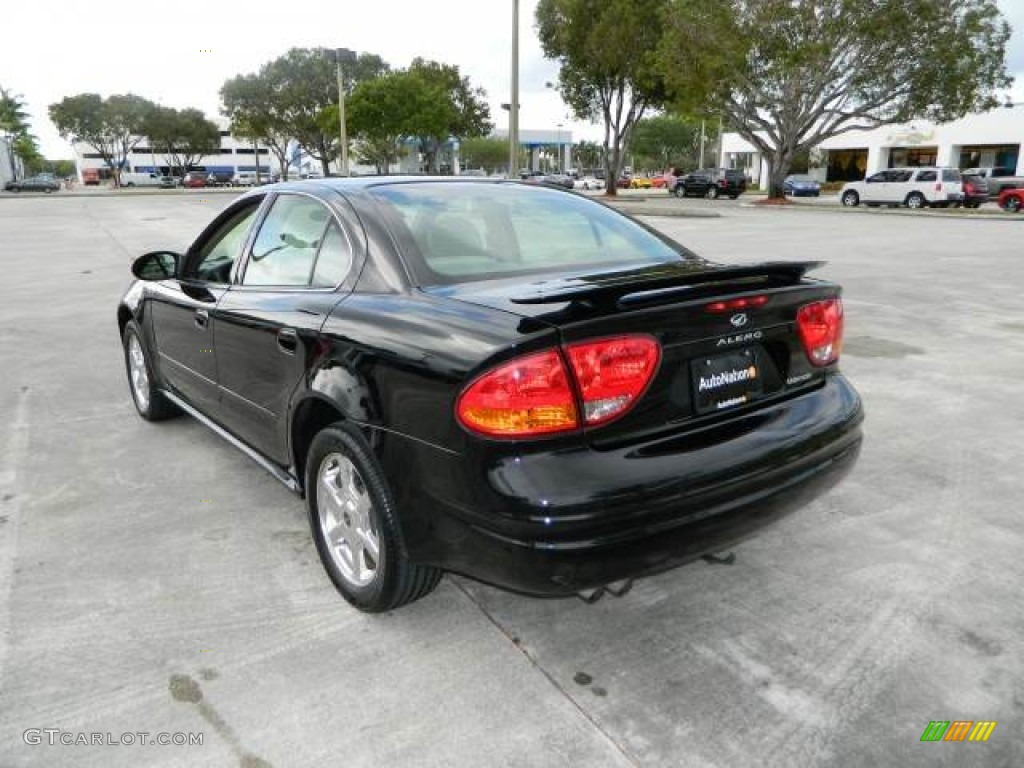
<point x="950" y="174"/>
<point x="459" y="231"/>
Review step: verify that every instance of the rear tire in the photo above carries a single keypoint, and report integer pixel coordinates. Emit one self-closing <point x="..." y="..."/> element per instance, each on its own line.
<point x="679" y="191"/>
<point x="916" y="201"/>
<point x="149" y="400"/>
<point x="850" y="199"/>
<point x="712" y="193"/>
<point x="1012" y="205"/>
<point x="354" y="524"/>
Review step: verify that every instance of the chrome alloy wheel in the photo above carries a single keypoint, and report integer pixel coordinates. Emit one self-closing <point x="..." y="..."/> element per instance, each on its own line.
<point x="138" y="373"/>
<point x="344" y="508"/>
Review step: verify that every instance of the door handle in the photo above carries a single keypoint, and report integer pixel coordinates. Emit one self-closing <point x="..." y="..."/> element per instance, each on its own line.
<point x="202" y="318"/>
<point x="287" y="340"/>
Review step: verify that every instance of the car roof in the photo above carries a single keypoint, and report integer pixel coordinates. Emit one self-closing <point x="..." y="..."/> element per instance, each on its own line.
<point x="353" y="183"/>
<point x="923" y="168"/>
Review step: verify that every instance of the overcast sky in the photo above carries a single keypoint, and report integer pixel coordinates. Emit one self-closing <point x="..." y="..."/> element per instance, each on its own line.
<point x="179" y="53"/>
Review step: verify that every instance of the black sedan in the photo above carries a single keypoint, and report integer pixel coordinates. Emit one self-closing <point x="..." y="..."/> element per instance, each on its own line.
<point x="34" y="184"/>
<point x="508" y="381"/>
<point x="798" y="185"/>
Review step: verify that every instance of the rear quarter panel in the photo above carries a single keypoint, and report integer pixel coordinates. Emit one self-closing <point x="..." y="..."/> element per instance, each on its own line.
<point x="397" y="362"/>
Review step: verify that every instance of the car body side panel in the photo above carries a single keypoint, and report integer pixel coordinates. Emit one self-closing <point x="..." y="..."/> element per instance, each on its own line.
<point x="265" y="342"/>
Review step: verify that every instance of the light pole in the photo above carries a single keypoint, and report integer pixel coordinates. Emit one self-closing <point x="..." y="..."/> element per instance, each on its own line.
<point x="559" y="142"/>
<point x="343" y="154"/>
<point x="513" y="107"/>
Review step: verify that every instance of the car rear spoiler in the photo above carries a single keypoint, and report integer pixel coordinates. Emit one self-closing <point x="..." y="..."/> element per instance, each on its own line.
<point x="631" y="288"/>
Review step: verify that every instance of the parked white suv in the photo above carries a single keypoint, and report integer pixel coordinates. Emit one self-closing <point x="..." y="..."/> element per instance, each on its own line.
<point x="145" y="180"/>
<point x="913" y="187"/>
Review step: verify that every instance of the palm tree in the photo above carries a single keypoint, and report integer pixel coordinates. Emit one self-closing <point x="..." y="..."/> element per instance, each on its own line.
<point x="14" y="127"/>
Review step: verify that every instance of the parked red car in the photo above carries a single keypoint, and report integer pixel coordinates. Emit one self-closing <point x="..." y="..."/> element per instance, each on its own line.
<point x="194" y="179"/>
<point x="1011" y="200"/>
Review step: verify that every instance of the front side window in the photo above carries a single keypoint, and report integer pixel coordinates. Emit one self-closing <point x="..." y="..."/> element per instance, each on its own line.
<point x="950" y="174"/>
<point x="877" y="178"/>
<point x="218" y="254"/>
<point x="464" y="231"/>
<point x="285" y="250"/>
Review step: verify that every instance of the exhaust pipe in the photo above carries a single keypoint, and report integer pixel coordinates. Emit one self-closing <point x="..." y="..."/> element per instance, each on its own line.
<point x="615" y="589"/>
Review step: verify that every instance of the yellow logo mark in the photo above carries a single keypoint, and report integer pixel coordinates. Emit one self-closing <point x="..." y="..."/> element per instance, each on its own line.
<point x="982" y="730"/>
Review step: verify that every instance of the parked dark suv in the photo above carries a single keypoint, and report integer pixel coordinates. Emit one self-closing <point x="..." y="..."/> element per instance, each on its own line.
<point x="711" y="183"/>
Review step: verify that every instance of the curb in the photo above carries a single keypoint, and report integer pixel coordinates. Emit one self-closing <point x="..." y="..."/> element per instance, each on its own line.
<point x="938" y="213"/>
<point x="125" y="192"/>
<point x="654" y="210"/>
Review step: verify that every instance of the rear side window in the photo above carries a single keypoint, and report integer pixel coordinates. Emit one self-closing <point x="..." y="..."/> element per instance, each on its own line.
<point x="466" y="231"/>
<point x="285" y="249"/>
<point x="950" y="174"/>
<point x="927" y="175"/>
<point x="334" y="259"/>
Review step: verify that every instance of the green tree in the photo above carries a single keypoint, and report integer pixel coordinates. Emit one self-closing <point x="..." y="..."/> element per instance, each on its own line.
<point x="303" y="85"/>
<point x="607" y="52"/>
<point x="789" y="74"/>
<point x="588" y="154"/>
<point x="111" y="126"/>
<point x="380" y="114"/>
<point x="483" y="152"/>
<point x="14" y="126"/>
<point x="447" y="106"/>
<point x="183" y="137"/>
<point x="248" y="102"/>
<point x="668" y="140"/>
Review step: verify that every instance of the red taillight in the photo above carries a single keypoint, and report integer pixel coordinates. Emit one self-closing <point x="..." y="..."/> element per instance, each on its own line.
<point x="532" y="395"/>
<point x="938" y="186"/>
<point x="744" y="302"/>
<point x="820" y="326"/>
<point x="526" y="396"/>
<point x="613" y="373"/>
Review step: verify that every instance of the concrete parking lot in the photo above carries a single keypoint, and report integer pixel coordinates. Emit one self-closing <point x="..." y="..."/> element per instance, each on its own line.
<point x="154" y="579"/>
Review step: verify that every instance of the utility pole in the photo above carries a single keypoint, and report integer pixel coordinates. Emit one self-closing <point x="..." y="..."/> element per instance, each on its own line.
<point x="513" y="107"/>
<point x="701" y="163"/>
<point x="343" y="154"/>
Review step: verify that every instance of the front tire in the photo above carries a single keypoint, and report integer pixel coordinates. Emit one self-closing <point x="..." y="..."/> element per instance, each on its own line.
<point x="1012" y="205"/>
<point x="679" y="191"/>
<point x="149" y="401"/>
<point x="850" y="199"/>
<point x="354" y="524"/>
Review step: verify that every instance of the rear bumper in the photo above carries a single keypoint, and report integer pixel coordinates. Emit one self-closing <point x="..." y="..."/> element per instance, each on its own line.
<point x="559" y="522"/>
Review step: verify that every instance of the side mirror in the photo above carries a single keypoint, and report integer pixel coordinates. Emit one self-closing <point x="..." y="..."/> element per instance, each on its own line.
<point x="156" y="265"/>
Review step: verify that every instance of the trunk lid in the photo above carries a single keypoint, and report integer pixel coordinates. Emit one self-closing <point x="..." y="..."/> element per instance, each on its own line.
<point x="716" y="359"/>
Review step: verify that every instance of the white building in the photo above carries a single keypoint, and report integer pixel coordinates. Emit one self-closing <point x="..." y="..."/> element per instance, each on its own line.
<point x="985" y="139"/>
<point x="235" y="155"/>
